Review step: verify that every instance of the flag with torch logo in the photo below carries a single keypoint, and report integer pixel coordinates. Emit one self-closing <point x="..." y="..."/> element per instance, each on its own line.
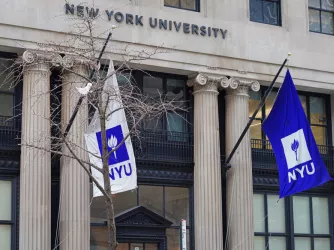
<point x="122" y="164"/>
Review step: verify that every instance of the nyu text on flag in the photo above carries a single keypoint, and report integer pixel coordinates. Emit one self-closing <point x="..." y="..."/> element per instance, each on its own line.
<point x="299" y="162"/>
<point x="122" y="164"/>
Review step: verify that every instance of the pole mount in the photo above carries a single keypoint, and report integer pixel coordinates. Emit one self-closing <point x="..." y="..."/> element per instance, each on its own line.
<point x="227" y="166"/>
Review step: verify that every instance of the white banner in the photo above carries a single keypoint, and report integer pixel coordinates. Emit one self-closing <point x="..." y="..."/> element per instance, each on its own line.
<point x="122" y="164"/>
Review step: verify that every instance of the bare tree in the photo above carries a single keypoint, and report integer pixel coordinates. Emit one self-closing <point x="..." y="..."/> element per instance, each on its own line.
<point x="84" y="43"/>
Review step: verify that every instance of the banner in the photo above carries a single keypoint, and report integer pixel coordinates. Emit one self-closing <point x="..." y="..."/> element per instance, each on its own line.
<point x="122" y="164"/>
<point x="299" y="162"/>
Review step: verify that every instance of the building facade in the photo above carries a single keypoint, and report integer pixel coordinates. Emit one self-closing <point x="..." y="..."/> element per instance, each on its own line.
<point x="219" y="57"/>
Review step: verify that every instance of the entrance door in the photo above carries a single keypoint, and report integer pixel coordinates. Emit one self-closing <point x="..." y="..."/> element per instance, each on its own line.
<point x="138" y="246"/>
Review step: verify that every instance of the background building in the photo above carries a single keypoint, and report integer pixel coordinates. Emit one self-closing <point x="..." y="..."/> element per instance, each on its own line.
<point x="218" y="54"/>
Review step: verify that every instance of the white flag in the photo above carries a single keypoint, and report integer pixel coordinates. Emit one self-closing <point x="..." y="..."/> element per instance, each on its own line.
<point x="122" y="164"/>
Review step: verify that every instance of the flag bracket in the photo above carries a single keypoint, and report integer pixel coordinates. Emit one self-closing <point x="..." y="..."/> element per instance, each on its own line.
<point x="227" y="164"/>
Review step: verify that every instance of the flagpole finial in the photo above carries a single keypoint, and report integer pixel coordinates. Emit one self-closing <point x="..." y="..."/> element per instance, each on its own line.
<point x="287" y="60"/>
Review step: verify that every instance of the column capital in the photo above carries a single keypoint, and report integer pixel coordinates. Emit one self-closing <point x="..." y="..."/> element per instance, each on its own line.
<point x="69" y="61"/>
<point x="37" y="56"/>
<point x="207" y="82"/>
<point x="241" y="86"/>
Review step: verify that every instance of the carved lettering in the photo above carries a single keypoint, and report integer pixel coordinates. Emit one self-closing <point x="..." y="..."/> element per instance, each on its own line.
<point x="194" y="29"/>
<point x="177" y="26"/>
<point x="186" y="28"/>
<point x="163" y="23"/>
<point x="92" y="13"/>
<point x="119" y="17"/>
<point x="215" y="31"/>
<point x="153" y="25"/>
<point x="139" y="20"/>
<point x="69" y="8"/>
<point x="109" y="14"/>
<point x="129" y="18"/>
<point x="203" y="30"/>
<point x="223" y="33"/>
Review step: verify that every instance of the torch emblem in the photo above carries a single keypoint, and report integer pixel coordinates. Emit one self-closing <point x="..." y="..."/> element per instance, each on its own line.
<point x="294" y="147"/>
<point x="112" y="143"/>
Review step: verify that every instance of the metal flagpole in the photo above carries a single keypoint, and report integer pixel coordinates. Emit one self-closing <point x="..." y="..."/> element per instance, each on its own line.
<point x="227" y="164"/>
<point x="76" y="109"/>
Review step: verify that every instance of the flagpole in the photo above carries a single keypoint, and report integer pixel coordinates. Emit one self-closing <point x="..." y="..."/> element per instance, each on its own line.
<point x="76" y="109"/>
<point x="227" y="164"/>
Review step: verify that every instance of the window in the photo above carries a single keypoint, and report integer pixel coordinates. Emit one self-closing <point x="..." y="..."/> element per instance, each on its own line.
<point x="167" y="87"/>
<point x="308" y="229"/>
<point x="321" y="16"/>
<point x="183" y="4"/>
<point x="265" y="11"/>
<point x="157" y="87"/>
<point x="6" y="93"/>
<point x="314" y="108"/>
<point x="171" y="203"/>
<point x="269" y="222"/>
<point x="311" y="223"/>
<point x="317" y="118"/>
<point x="6" y="216"/>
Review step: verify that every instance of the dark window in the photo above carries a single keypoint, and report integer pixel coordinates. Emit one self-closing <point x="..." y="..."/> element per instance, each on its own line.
<point x="172" y="88"/>
<point x="296" y="222"/>
<point x="265" y="11"/>
<point x="314" y="108"/>
<point x="6" y="92"/>
<point x="321" y="16"/>
<point x="183" y="4"/>
<point x="159" y="87"/>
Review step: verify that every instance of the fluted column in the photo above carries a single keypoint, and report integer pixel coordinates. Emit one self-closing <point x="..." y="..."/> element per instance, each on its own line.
<point x="207" y="172"/>
<point x="35" y="175"/>
<point x="240" y="227"/>
<point x="74" y="183"/>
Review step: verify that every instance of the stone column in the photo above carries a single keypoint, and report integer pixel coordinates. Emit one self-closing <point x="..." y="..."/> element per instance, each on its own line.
<point x="35" y="173"/>
<point x="74" y="182"/>
<point x="239" y="205"/>
<point x="207" y="172"/>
